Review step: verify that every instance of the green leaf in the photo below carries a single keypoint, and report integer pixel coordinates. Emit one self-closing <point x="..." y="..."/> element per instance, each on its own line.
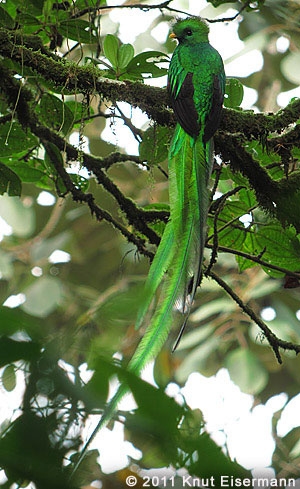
<point x="251" y="247"/>
<point x="9" y="380"/>
<point x="207" y="459"/>
<point x="155" y="144"/>
<point x="47" y="8"/>
<point x="52" y="153"/>
<point x="26" y="172"/>
<point x="56" y="114"/>
<point x="79" y="181"/>
<point x="42" y="297"/>
<point x="96" y="390"/>
<point x="53" y="157"/>
<point x="12" y="320"/>
<point x="266" y="158"/>
<point x="231" y="236"/>
<point x="125" y="55"/>
<point x="80" y="111"/>
<point x="26" y="19"/>
<point x="121" y="306"/>
<point x="17" y="215"/>
<point x="5" y="19"/>
<point x="196" y="361"/>
<point x="77" y="30"/>
<point x="14" y="140"/>
<point x="217" y="306"/>
<point x="88" y="469"/>
<point x="158" y="226"/>
<point x="194" y="337"/>
<point x="217" y="3"/>
<point x="17" y="454"/>
<point x="246" y="371"/>
<point x="140" y="64"/>
<point x="111" y="48"/>
<point x="34" y="6"/>
<point x="248" y="197"/>
<point x="11" y="350"/>
<point x="234" y="93"/>
<point x="282" y="247"/>
<point x="6" y="267"/>
<point x="9" y="182"/>
<point x="145" y="426"/>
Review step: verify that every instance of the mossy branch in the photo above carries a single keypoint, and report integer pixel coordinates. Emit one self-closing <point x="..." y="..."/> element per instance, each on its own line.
<point x="135" y="216"/>
<point x="236" y="128"/>
<point x="28" y="51"/>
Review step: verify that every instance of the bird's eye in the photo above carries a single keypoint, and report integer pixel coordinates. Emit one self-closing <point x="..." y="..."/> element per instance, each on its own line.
<point x="189" y="32"/>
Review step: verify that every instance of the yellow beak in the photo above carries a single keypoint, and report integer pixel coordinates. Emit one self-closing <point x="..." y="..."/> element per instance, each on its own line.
<point x="172" y="35"/>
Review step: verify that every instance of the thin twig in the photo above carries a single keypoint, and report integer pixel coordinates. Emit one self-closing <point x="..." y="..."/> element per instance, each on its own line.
<point x="71" y="49"/>
<point x="160" y="6"/>
<point x="141" y="6"/>
<point x="230" y="19"/>
<point x="137" y="133"/>
<point x="274" y="342"/>
<point x="215" y="203"/>
<point x="256" y="259"/>
<point x="214" y="253"/>
<point x="216" y="182"/>
<point x="231" y="222"/>
<point x="95" y="116"/>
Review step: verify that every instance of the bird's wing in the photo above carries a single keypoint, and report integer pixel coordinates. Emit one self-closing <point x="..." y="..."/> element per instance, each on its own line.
<point x="188" y="113"/>
<point x="184" y="106"/>
<point x="213" y="116"/>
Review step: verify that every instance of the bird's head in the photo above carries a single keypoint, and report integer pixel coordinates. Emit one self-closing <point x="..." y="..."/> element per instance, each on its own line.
<point x="192" y="30"/>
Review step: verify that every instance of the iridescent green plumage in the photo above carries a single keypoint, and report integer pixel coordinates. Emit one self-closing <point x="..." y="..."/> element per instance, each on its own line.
<point x="196" y="86"/>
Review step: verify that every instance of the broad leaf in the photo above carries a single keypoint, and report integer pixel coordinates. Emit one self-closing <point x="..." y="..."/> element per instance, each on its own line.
<point x="55" y="113"/>
<point x="5" y="19"/>
<point x="11" y="350"/>
<point x="234" y="93"/>
<point x="26" y="172"/>
<point x="125" y="55"/>
<point x="8" y="379"/>
<point x="14" y="140"/>
<point x="154" y="147"/>
<point x="43" y="296"/>
<point x="9" y="182"/>
<point x="111" y="47"/>
<point x="282" y="247"/>
<point x="246" y="371"/>
<point x="20" y="217"/>
<point x="78" y="30"/>
<point x="146" y="63"/>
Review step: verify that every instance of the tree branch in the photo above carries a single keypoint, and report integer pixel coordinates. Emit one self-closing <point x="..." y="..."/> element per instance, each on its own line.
<point x="79" y="196"/>
<point x="29" y="51"/>
<point x="11" y="87"/>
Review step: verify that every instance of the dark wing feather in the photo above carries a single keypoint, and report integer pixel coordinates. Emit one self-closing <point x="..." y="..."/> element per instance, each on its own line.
<point x="184" y="106"/>
<point x="214" y="115"/>
<point x="185" y="110"/>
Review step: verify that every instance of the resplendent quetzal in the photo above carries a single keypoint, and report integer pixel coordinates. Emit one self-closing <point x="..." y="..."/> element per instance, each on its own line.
<point x="196" y="85"/>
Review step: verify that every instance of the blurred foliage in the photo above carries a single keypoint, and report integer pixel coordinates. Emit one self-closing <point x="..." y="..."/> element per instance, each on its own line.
<point x="78" y="312"/>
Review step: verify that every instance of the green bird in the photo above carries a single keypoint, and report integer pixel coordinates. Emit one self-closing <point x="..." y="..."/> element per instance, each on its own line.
<point x="196" y="84"/>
